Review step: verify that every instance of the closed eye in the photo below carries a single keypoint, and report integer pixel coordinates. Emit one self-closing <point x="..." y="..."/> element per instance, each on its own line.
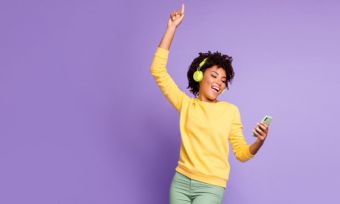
<point x="216" y="77"/>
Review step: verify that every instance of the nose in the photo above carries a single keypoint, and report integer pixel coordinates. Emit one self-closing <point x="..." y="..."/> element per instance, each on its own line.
<point x="219" y="83"/>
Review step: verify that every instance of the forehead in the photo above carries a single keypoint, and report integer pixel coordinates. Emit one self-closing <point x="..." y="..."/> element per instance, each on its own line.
<point x="217" y="69"/>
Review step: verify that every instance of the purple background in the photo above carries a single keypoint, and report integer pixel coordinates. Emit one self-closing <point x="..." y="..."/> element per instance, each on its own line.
<point x="82" y="120"/>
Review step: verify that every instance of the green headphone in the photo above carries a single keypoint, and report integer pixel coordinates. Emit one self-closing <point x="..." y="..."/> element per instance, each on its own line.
<point x="198" y="74"/>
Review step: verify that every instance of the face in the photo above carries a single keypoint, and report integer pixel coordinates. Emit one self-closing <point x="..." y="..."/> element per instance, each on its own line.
<point x="213" y="84"/>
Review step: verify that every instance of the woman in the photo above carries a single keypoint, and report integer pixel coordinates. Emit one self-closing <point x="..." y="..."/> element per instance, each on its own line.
<point x="207" y="125"/>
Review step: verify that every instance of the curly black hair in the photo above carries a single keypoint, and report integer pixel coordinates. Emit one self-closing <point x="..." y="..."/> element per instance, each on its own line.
<point x="216" y="58"/>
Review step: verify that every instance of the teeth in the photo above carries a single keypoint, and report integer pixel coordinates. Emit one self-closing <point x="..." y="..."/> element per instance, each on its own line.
<point x="215" y="88"/>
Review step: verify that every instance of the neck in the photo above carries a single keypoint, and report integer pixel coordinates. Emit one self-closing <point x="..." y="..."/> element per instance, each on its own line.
<point x="205" y="99"/>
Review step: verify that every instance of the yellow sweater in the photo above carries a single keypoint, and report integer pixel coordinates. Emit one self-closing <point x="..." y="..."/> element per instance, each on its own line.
<point x="206" y="130"/>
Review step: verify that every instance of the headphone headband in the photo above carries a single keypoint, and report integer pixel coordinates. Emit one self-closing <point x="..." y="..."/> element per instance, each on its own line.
<point x="203" y="62"/>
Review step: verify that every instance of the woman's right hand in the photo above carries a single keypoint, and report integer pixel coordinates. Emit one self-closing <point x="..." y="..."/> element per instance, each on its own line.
<point x="176" y="17"/>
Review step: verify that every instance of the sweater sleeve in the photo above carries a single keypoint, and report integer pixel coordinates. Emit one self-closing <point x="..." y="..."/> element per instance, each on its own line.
<point x="164" y="81"/>
<point x="236" y="138"/>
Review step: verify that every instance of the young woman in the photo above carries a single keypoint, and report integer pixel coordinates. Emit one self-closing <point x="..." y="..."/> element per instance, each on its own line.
<point x="207" y="125"/>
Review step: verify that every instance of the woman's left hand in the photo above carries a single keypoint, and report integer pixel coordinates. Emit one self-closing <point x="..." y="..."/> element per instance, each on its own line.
<point x="261" y="132"/>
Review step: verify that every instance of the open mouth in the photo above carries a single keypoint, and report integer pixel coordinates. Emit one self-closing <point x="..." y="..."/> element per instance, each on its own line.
<point x="215" y="89"/>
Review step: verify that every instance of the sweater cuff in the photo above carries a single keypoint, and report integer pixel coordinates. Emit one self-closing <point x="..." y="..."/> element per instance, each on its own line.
<point x="162" y="52"/>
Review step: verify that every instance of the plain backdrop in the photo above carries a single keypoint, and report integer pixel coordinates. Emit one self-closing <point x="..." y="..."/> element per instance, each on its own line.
<point x="83" y="121"/>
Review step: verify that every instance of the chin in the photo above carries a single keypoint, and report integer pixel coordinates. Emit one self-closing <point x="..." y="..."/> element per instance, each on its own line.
<point x="212" y="98"/>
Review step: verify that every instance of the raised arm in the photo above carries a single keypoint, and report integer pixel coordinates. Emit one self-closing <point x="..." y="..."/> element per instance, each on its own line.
<point x="158" y="67"/>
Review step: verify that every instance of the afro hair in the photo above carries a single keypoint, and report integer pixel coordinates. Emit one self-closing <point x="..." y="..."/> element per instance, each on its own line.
<point x="216" y="58"/>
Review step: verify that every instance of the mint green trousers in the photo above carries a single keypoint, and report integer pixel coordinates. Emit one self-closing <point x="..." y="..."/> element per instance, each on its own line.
<point x="184" y="190"/>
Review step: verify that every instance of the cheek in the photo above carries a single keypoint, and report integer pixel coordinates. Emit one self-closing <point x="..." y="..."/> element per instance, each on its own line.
<point x="203" y="85"/>
<point x="208" y="79"/>
<point x="207" y="83"/>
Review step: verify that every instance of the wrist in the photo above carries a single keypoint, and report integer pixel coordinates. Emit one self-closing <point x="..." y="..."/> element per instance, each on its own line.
<point x="171" y="28"/>
<point x="259" y="141"/>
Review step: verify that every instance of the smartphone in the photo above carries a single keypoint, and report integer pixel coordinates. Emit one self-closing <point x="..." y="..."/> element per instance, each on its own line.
<point x="266" y="120"/>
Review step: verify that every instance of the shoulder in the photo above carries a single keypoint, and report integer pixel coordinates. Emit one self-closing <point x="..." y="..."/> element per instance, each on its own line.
<point x="229" y="105"/>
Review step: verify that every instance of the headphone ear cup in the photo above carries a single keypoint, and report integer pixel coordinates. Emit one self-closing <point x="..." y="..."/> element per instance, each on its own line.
<point x="198" y="76"/>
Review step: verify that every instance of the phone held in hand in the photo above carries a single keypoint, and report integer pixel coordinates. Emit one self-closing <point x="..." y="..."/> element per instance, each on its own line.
<point x="266" y="120"/>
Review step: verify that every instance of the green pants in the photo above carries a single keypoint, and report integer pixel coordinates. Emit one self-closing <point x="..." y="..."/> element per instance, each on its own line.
<point x="184" y="190"/>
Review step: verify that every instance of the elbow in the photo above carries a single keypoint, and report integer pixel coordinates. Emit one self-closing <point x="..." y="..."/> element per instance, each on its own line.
<point x="156" y="71"/>
<point x="153" y="72"/>
<point x="242" y="159"/>
<point x="243" y="154"/>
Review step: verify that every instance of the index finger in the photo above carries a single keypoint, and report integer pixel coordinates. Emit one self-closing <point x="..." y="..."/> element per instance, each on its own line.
<point x="182" y="8"/>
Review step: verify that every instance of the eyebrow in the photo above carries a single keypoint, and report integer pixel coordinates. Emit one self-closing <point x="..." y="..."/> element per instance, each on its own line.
<point x="218" y="74"/>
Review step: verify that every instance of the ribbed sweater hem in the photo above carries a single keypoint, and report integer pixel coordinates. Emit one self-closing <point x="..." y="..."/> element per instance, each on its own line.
<point x="201" y="177"/>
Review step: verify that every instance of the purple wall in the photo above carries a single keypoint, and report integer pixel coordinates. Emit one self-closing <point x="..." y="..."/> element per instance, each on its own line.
<point x="82" y="121"/>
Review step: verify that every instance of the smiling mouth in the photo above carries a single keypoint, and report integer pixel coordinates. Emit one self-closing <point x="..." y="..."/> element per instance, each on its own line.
<point x="215" y="90"/>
